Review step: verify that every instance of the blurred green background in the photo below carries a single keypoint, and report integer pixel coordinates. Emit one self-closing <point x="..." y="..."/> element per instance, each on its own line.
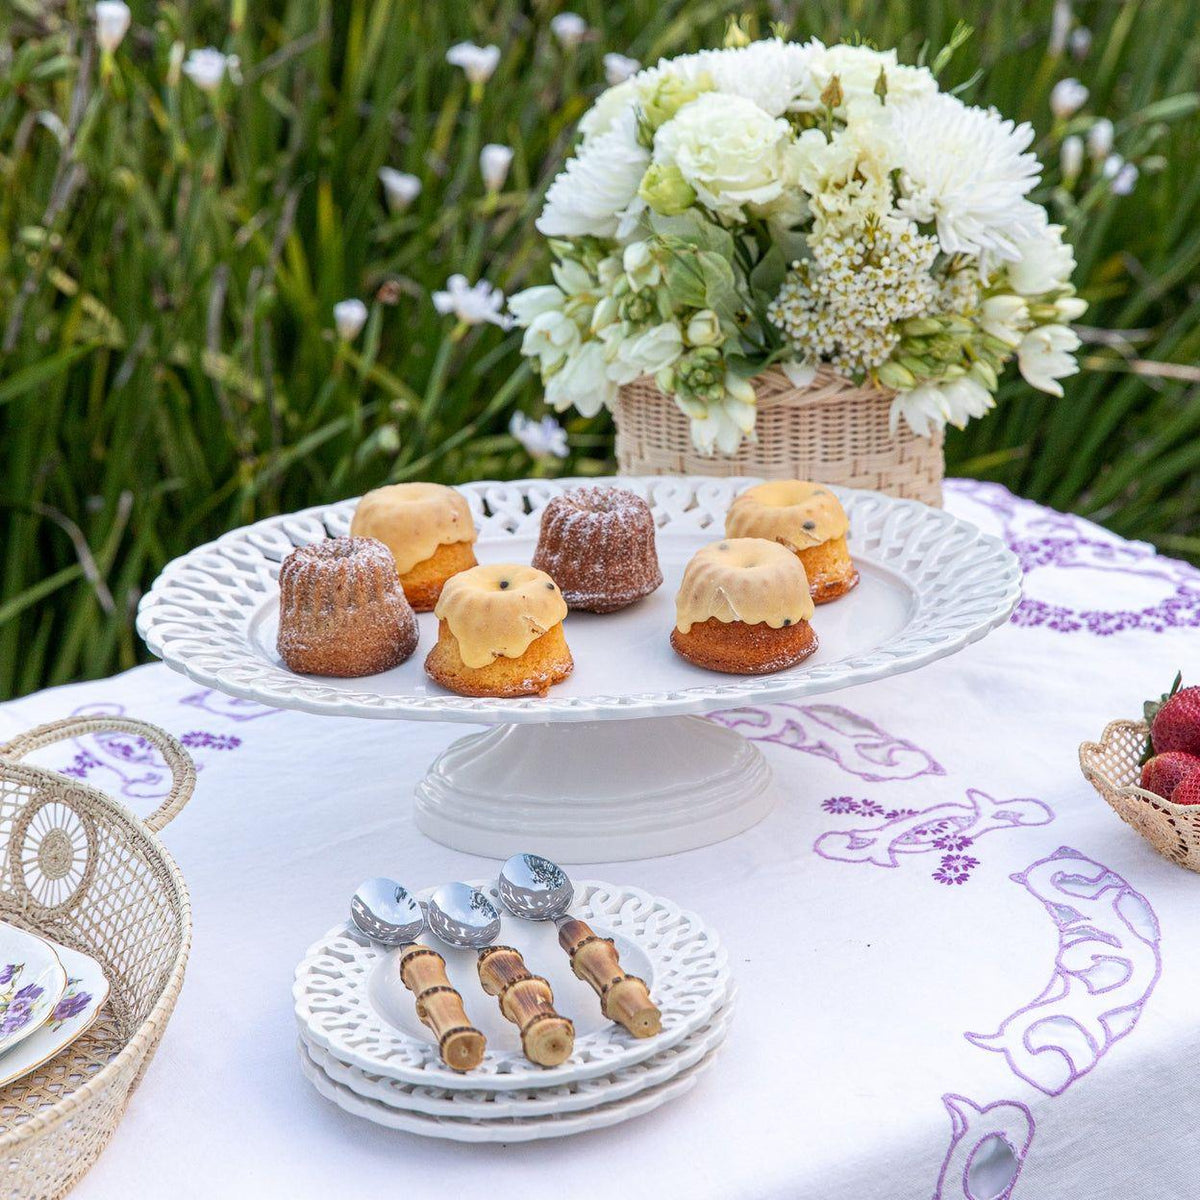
<point x="169" y="262"/>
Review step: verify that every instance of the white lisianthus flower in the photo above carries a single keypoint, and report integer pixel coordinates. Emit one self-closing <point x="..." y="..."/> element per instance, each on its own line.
<point x="620" y="67"/>
<point x="1045" y="262"/>
<point x="399" y="188"/>
<point x="592" y="193"/>
<point x="478" y="62"/>
<point x="729" y="150"/>
<point x="472" y="304"/>
<point x="1070" y="158"/>
<point x="857" y="69"/>
<point x="541" y="439"/>
<point x="1046" y="355"/>
<point x="966" y="169"/>
<point x="550" y="337"/>
<point x="1100" y="139"/>
<point x="112" y="23"/>
<point x="1067" y="97"/>
<point x="1006" y="318"/>
<point x="349" y="317"/>
<point x="494" y="162"/>
<point x="643" y="354"/>
<point x="208" y="67"/>
<point x="570" y="28"/>
<point x="582" y="383"/>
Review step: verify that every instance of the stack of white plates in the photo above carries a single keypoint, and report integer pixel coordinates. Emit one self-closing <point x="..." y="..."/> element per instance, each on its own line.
<point x="363" y="1047"/>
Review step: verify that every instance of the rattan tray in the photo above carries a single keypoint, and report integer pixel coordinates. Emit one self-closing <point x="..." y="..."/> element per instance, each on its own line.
<point x="83" y="870"/>
<point x="1112" y="766"/>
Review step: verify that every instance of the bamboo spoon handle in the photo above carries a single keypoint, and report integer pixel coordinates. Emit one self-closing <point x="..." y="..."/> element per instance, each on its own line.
<point x="623" y="998"/>
<point x="423" y="972"/>
<point x="528" y="1002"/>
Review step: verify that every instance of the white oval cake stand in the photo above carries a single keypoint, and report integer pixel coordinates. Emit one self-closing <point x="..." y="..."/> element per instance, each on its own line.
<point x="614" y="763"/>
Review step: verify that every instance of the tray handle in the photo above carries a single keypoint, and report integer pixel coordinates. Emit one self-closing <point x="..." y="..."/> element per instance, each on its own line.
<point x="183" y="770"/>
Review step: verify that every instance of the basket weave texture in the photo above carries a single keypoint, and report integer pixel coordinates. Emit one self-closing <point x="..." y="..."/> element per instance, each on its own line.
<point x="832" y="431"/>
<point x="1113" y="768"/>
<point x="81" y="869"/>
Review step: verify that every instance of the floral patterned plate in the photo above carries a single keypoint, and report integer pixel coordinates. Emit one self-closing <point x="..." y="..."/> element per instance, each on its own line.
<point x="32" y="982"/>
<point x="72" y="1014"/>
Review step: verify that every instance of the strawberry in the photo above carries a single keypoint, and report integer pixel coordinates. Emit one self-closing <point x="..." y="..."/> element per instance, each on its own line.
<point x="1188" y="792"/>
<point x="1175" y="723"/>
<point x="1165" y="772"/>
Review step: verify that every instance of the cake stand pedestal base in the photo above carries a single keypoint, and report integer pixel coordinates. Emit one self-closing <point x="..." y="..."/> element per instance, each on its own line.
<point x="595" y="791"/>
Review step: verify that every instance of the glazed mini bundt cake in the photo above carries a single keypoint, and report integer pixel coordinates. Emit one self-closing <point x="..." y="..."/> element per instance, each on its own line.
<point x="809" y="520"/>
<point x="342" y="610"/>
<point x="744" y="608"/>
<point x="597" y="544"/>
<point x="500" y="633"/>
<point x="429" y="530"/>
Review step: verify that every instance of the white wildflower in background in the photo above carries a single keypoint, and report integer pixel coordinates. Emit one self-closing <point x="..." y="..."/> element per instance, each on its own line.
<point x="1067" y="97"/>
<point x="541" y="439"/>
<point x="472" y="304"/>
<point x="112" y="23"/>
<point x="620" y="67"/>
<point x="570" y="28"/>
<point x="1081" y="42"/>
<point x="1100" y="139"/>
<point x="1046" y="355"/>
<point x="494" y="162"/>
<point x="1060" y="26"/>
<point x="478" y="62"/>
<point x="207" y="68"/>
<point x="1070" y="158"/>
<point x="349" y="316"/>
<point x="399" y="188"/>
<point x="1125" y="180"/>
<point x="1112" y="166"/>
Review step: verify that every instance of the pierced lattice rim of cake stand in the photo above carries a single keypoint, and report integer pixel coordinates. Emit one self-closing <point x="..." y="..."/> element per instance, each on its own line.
<point x="689" y="977"/>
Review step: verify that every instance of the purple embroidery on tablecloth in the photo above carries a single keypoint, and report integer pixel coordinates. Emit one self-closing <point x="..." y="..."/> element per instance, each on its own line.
<point x="232" y="707"/>
<point x="853" y="742"/>
<point x="1106" y="968"/>
<point x="947" y="828"/>
<point x="1042" y="538"/>
<point x="971" y="1158"/>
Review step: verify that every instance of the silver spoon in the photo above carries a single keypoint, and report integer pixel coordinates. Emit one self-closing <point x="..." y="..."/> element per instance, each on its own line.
<point x="536" y="889"/>
<point x="463" y="917"/>
<point x="386" y="912"/>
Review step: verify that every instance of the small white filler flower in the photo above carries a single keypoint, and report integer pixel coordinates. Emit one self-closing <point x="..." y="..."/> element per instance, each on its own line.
<point x="494" y="162"/>
<point x="1067" y="97"/>
<point x="1100" y="139"/>
<point x="472" y="304"/>
<point x="112" y="24"/>
<point x="478" y="62"/>
<point x="620" y="67"/>
<point x="349" y="316"/>
<point x="207" y="68"/>
<point x="1070" y="158"/>
<point x="570" y="28"/>
<point x="399" y="188"/>
<point x="541" y="439"/>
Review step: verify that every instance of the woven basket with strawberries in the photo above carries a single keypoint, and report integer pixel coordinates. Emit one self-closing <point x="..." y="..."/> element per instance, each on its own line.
<point x="1149" y="772"/>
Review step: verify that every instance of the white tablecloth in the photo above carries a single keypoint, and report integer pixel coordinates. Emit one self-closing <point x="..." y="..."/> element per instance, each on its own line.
<point x="972" y="943"/>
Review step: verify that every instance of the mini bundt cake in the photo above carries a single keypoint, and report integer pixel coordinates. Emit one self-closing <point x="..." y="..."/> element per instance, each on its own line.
<point x="429" y="530"/>
<point x="500" y="633"/>
<point x="744" y="608"/>
<point x="806" y="518"/>
<point x="342" y="611"/>
<point x="597" y="544"/>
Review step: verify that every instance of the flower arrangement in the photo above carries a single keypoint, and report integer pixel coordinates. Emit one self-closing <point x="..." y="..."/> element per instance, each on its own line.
<point x="778" y="203"/>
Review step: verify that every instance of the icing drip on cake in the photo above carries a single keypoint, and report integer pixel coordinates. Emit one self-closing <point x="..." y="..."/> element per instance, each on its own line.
<point x="413" y="520"/>
<point x="499" y="610"/>
<point x="743" y="579"/>
<point x="792" y="512"/>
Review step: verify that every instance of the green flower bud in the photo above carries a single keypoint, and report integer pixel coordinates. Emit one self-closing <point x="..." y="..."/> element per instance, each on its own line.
<point x="921" y="326"/>
<point x="666" y="191"/>
<point x="670" y="94"/>
<point x="704" y="328"/>
<point x="984" y="373"/>
<point x="893" y="375"/>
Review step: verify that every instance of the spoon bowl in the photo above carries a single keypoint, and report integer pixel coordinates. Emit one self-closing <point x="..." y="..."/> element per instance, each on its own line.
<point x="463" y="916"/>
<point x="386" y="912"/>
<point x="534" y="888"/>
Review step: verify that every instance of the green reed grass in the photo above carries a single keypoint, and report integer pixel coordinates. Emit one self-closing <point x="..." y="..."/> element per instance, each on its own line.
<point x="168" y="267"/>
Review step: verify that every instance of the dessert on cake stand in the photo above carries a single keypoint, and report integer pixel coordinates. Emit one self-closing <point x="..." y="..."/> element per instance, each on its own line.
<point x="618" y="762"/>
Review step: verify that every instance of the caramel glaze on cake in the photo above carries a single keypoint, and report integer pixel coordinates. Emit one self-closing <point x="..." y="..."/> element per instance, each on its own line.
<point x="429" y="530"/>
<point x="500" y="633"/>
<point x="806" y="518"/>
<point x="597" y="544"/>
<point x="342" y="611"/>
<point x="744" y="608"/>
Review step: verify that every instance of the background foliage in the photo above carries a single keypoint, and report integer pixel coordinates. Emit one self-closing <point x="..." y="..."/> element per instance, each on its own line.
<point x="169" y="263"/>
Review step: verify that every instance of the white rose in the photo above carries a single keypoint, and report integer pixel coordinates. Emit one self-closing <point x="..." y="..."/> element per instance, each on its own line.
<point x="644" y="354"/>
<point x="550" y="337"/>
<point x="729" y="150"/>
<point x="581" y="383"/>
<point x="1046" y="355"/>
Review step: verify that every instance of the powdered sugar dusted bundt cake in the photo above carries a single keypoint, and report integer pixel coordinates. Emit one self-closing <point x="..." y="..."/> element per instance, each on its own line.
<point x="342" y="610"/>
<point x="597" y="544"/>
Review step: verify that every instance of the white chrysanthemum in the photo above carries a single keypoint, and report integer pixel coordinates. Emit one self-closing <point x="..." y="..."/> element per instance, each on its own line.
<point x="729" y="150"/>
<point x="857" y="69"/>
<point x="1043" y="262"/>
<point x="932" y="406"/>
<point x="966" y="169"/>
<point x="590" y="195"/>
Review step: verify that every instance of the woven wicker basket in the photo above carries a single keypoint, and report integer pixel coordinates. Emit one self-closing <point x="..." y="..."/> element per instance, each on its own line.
<point x="1112" y="766"/>
<point x="84" y="871"/>
<point x="832" y="431"/>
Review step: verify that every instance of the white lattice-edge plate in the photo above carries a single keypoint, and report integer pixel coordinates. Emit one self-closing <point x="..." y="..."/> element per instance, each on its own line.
<point x="533" y="1101"/>
<point x="931" y="584"/>
<point x="350" y="1002"/>
<point x="505" y="1129"/>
